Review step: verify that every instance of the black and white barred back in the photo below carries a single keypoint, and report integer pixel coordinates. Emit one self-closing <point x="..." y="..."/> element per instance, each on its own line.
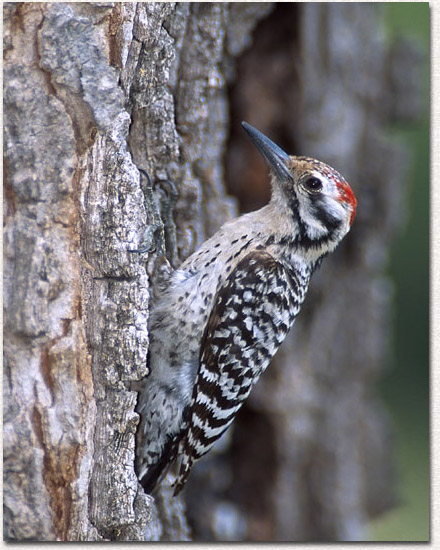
<point x="253" y="313"/>
<point x="227" y="309"/>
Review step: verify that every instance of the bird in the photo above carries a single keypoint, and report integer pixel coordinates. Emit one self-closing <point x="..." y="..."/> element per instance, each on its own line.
<point x="218" y="319"/>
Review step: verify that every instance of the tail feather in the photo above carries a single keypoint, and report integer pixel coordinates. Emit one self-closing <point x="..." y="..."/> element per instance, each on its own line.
<point x="185" y="468"/>
<point x="157" y="471"/>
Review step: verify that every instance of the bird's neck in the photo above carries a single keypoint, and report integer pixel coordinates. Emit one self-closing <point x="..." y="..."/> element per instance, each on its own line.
<point x="285" y="239"/>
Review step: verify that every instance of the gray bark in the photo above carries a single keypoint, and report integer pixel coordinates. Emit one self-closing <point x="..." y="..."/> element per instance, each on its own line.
<point x="92" y="92"/>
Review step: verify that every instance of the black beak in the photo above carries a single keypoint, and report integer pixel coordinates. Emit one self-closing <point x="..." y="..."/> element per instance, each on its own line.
<point x="274" y="155"/>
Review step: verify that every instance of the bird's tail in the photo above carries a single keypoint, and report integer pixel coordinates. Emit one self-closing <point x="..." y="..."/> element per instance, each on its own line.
<point x="185" y="468"/>
<point x="157" y="471"/>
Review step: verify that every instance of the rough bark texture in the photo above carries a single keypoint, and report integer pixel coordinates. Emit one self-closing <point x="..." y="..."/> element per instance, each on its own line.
<point x="92" y="92"/>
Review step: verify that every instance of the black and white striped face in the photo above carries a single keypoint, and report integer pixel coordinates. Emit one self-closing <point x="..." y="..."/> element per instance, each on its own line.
<point x="321" y="201"/>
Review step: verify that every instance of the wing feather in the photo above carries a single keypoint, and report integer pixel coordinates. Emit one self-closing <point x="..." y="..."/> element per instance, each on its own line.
<point x="252" y="314"/>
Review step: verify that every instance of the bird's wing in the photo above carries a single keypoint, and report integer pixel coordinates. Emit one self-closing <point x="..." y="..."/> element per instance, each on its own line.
<point x="253" y="312"/>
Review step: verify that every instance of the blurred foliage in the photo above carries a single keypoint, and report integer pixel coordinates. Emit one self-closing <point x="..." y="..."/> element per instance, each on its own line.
<point x="405" y="387"/>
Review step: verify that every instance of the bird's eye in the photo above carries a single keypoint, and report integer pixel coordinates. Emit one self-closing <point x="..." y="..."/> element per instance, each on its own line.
<point x="312" y="184"/>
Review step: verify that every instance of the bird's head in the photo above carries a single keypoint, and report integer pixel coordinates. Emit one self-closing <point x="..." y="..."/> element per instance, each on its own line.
<point x="320" y="199"/>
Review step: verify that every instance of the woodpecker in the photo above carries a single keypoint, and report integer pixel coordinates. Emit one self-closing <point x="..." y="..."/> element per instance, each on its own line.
<point x="217" y="320"/>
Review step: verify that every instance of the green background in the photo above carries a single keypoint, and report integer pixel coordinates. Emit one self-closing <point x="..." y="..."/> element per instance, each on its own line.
<point x="405" y="387"/>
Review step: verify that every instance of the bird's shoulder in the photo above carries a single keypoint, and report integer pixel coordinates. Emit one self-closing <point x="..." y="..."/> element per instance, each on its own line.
<point x="260" y="293"/>
<point x="257" y="270"/>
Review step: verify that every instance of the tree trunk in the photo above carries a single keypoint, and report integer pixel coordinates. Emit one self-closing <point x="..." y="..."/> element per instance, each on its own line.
<point x="92" y="93"/>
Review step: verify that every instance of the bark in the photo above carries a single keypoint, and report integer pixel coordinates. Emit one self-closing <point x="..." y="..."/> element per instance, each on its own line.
<point x="92" y="93"/>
